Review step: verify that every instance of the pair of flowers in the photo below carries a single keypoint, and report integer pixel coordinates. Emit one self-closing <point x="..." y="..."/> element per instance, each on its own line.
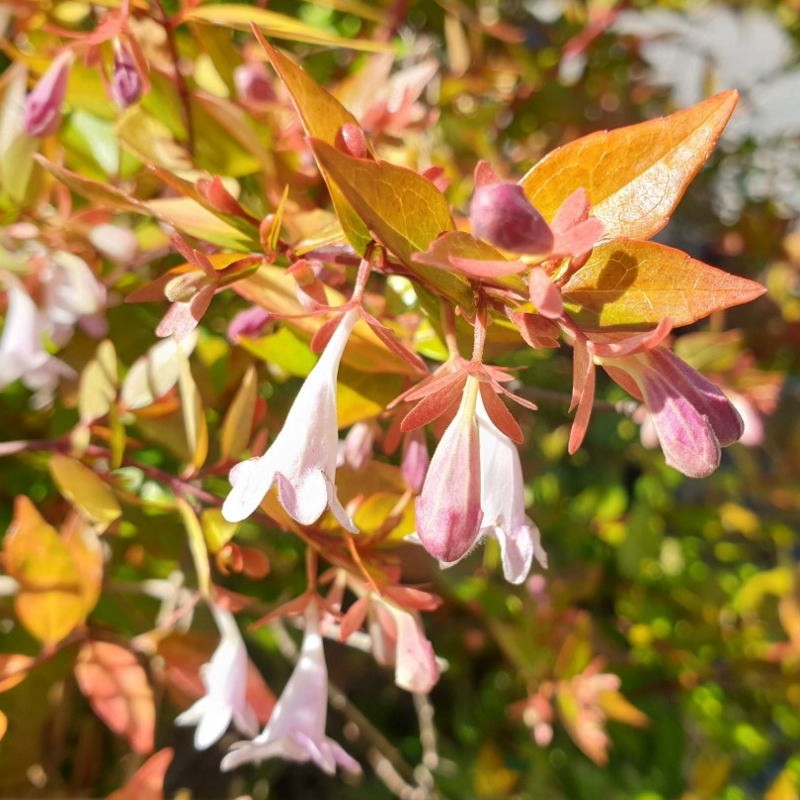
<point x="296" y="727"/>
<point x="456" y="508"/>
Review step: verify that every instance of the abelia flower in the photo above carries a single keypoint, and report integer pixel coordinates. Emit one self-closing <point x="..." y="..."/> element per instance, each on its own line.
<point x="692" y="417"/>
<point x="72" y="295"/>
<point x="356" y="449"/>
<point x="415" y="459"/>
<point x="225" y="681"/>
<point x="448" y="511"/>
<point x="296" y="729"/>
<point x="43" y="105"/>
<point x="126" y="82"/>
<point x="22" y="353"/>
<point x="302" y="459"/>
<point x="503" y="501"/>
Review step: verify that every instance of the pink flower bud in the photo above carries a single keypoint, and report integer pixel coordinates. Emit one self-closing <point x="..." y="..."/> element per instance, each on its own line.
<point x="252" y="83"/>
<point x="43" y="105"/>
<point x="126" y="82"/>
<point x="502" y="215"/>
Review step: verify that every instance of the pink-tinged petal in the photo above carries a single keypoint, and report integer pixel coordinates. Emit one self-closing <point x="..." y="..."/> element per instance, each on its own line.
<point x="544" y="294"/>
<point x="250" y="481"/>
<point x="253" y="84"/>
<point x="416" y="669"/>
<point x="338" y="510"/>
<point x="249" y="323"/>
<point x="501" y="215"/>
<point x="753" y="434"/>
<point x="686" y="437"/>
<point x="42" y="114"/>
<point x="448" y="510"/>
<point x="415" y="460"/>
<point x="305" y="496"/>
<point x="708" y="399"/>
<point x="212" y="726"/>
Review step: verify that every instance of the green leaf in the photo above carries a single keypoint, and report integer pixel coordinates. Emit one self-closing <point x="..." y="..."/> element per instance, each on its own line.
<point x="405" y="212"/>
<point x="85" y="490"/>
<point x="322" y="115"/>
<point x="630" y="284"/>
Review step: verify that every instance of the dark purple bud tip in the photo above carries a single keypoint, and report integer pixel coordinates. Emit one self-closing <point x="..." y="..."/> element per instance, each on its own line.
<point x="501" y="215"/>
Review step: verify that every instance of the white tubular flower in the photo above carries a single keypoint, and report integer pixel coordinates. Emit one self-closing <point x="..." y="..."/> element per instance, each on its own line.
<point x="225" y="680"/>
<point x="296" y="729"/>
<point x="503" y="501"/>
<point x="302" y="459"/>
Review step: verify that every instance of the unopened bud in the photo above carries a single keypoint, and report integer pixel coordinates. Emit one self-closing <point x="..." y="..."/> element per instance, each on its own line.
<point x="501" y="215"/>
<point x="43" y="105"/>
<point x="252" y="84"/>
<point x="126" y="82"/>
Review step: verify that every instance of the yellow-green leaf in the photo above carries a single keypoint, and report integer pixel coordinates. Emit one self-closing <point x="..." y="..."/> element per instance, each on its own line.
<point x="404" y="210"/>
<point x="50" y="602"/>
<point x="216" y="529"/>
<point x="99" y="383"/>
<point x="272" y="23"/>
<point x="197" y="545"/>
<point x="635" y="175"/>
<point x="628" y="283"/>
<point x="85" y="490"/>
<point x="322" y="115"/>
<point x="194" y="416"/>
<point x="238" y="423"/>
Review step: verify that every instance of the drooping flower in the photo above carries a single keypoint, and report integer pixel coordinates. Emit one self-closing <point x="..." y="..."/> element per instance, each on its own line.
<point x="296" y="729"/>
<point x="302" y="459"/>
<point x="692" y="417"/>
<point x="22" y="352"/>
<point x="448" y="510"/>
<point x="503" y="501"/>
<point x="225" y="681"/>
<point x="43" y="105"/>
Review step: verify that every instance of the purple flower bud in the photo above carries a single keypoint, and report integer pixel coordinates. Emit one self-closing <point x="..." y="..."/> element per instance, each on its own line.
<point x="501" y="215"/>
<point x="253" y="85"/>
<point x="126" y="82"/>
<point x="43" y="105"/>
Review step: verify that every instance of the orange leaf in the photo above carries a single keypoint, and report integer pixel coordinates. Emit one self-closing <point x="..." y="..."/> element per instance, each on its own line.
<point x="322" y="115"/>
<point x="628" y="284"/>
<point x="147" y="783"/>
<point x="636" y="175"/>
<point x="116" y="686"/>
<point x="50" y="601"/>
<point x="3" y="725"/>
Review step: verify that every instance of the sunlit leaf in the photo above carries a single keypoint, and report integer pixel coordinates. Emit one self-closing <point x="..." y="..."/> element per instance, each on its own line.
<point x="197" y="545"/>
<point x="99" y="383"/>
<point x="117" y="688"/>
<point x="217" y="531"/>
<point x="50" y="601"/>
<point x="627" y="283"/>
<point x="636" y="175"/>
<point x="405" y="211"/>
<point x="323" y="115"/>
<point x="89" y="493"/>
<point x="237" y="427"/>
<point x="193" y="412"/>
<point x="272" y="23"/>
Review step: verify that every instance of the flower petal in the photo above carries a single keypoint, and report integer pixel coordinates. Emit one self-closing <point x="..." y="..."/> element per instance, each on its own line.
<point x="250" y="481"/>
